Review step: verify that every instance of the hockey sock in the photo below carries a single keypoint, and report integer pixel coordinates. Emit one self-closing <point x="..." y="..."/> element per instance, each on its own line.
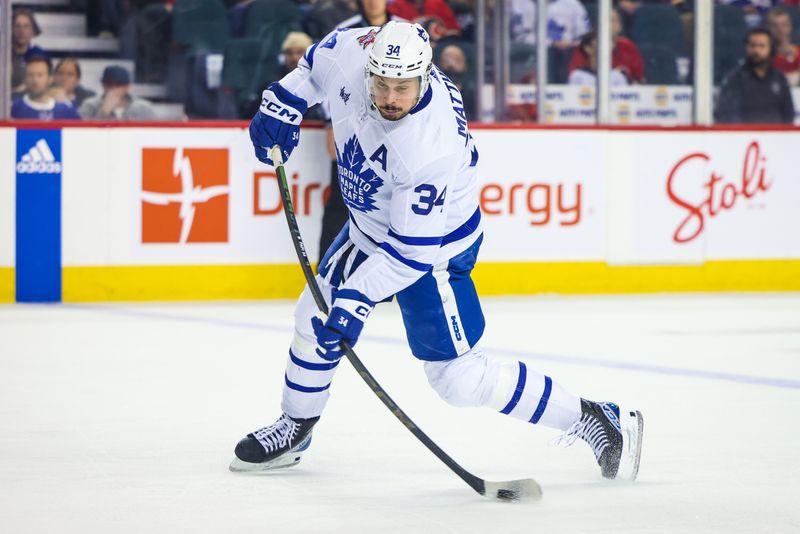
<point x="526" y="394"/>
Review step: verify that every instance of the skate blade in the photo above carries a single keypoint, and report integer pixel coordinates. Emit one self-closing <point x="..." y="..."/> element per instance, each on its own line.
<point x="632" y="424"/>
<point x="287" y="460"/>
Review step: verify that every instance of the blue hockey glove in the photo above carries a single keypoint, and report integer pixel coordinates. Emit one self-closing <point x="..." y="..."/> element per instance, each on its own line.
<point x="345" y="322"/>
<point x="277" y="122"/>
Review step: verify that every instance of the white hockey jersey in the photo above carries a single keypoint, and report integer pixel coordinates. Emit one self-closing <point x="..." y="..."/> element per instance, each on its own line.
<point x="410" y="185"/>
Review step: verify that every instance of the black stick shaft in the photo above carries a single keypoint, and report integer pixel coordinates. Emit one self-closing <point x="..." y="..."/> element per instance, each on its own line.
<point x="474" y="482"/>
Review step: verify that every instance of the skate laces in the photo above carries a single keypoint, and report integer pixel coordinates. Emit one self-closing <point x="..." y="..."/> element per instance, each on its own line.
<point x="588" y="428"/>
<point x="278" y="435"/>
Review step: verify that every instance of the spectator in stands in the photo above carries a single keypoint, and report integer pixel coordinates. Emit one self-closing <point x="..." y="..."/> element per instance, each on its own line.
<point x="324" y="15"/>
<point x="437" y="30"/>
<point x="24" y="29"/>
<point x="414" y="9"/>
<point x="567" y="21"/>
<point x="587" y="74"/>
<point x="522" y="21"/>
<point x="237" y="14"/>
<point x="453" y="62"/>
<point x="106" y="17"/>
<point x="787" y="54"/>
<point x="755" y="92"/>
<point x="754" y="10"/>
<point x="148" y="36"/>
<point x="67" y="83"/>
<point x="464" y="11"/>
<point x="625" y="55"/>
<point x="370" y="13"/>
<point x="116" y="102"/>
<point x="37" y="103"/>
<point x="292" y="50"/>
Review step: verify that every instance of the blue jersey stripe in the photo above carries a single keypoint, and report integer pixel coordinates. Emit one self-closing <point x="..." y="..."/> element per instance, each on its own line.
<point x="412" y="240"/>
<point x="309" y="55"/>
<point x="338" y="242"/>
<point x="424" y="101"/>
<point x="360" y="258"/>
<point x="464" y="230"/>
<point x="312" y="366"/>
<point x="304" y="389"/>
<point x="424" y="267"/>
<point x="474" y="159"/>
<point x="548" y="387"/>
<point x="517" y="391"/>
<point x="459" y="233"/>
<point x="338" y="272"/>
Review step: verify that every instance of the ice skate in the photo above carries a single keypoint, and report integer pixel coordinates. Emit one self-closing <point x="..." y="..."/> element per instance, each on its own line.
<point x="615" y="437"/>
<point x="278" y="445"/>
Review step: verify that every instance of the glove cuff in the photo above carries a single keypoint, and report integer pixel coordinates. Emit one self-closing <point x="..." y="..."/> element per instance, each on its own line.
<point x="354" y="302"/>
<point x="278" y="103"/>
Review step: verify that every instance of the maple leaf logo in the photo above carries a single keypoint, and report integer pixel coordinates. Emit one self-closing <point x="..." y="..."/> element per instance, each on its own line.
<point x="358" y="186"/>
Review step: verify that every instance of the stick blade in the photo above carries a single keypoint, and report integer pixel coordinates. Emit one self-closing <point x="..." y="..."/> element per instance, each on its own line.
<point x="522" y="490"/>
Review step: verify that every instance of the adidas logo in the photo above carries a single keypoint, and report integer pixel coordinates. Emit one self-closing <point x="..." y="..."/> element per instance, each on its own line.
<point x="39" y="159"/>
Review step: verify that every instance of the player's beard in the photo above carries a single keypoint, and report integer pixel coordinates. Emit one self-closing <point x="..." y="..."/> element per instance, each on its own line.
<point x="395" y="117"/>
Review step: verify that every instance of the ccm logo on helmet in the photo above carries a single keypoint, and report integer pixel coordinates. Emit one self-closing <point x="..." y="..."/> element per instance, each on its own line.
<point x="390" y="66"/>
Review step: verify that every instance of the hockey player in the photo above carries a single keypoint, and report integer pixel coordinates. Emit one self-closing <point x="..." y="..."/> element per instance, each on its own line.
<point x="408" y="173"/>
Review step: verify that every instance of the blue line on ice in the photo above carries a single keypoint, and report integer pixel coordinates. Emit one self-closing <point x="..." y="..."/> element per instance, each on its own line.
<point x="558" y="358"/>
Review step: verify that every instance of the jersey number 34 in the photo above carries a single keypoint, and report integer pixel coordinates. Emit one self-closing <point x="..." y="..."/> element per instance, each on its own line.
<point x="428" y="198"/>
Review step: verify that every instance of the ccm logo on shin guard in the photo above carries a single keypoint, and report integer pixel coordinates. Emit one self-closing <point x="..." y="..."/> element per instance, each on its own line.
<point x="456" y="329"/>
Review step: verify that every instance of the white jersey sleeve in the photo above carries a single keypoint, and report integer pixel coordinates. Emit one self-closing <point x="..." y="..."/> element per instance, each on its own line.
<point x="308" y="79"/>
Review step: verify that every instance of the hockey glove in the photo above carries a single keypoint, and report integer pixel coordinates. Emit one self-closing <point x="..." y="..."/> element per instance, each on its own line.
<point x="277" y="122"/>
<point x="345" y="322"/>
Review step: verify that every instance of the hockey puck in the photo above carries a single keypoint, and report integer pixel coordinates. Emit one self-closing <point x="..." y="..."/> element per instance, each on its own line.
<point x="507" y="495"/>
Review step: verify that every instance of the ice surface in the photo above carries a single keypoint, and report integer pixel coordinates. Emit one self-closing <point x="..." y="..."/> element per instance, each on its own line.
<point x="122" y="418"/>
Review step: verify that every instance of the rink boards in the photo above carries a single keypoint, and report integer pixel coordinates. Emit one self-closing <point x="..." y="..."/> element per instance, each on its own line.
<point x="187" y="212"/>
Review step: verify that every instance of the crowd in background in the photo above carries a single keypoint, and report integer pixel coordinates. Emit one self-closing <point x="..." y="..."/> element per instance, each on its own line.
<point x="215" y="56"/>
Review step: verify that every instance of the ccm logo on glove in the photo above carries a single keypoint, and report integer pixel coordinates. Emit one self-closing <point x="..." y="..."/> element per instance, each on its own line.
<point x="273" y="109"/>
<point x="277" y="122"/>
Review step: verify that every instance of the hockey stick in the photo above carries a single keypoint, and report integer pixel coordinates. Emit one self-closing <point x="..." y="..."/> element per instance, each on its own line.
<point x="512" y="490"/>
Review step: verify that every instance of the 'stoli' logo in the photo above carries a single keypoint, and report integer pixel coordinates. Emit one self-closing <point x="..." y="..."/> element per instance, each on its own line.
<point x="718" y="196"/>
<point x="185" y="195"/>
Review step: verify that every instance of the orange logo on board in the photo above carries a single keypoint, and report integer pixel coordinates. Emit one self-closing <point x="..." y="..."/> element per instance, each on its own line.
<point x="185" y="195"/>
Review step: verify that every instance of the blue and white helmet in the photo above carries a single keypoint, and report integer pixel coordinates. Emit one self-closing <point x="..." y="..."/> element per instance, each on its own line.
<point x="400" y="50"/>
